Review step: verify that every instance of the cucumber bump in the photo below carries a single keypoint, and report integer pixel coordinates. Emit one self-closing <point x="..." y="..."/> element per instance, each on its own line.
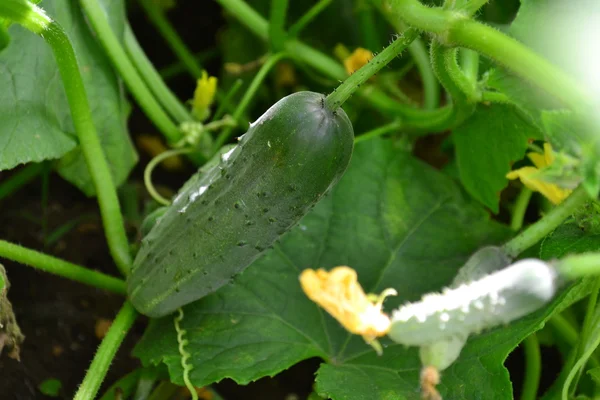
<point x="220" y="223"/>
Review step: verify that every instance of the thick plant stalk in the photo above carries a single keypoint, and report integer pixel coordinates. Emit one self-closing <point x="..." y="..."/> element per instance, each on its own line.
<point x="106" y="353"/>
<point x="62" y="268"/>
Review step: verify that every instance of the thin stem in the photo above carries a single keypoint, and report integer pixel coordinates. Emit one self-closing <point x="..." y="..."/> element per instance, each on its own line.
<point x="367" y="25"/>
<point x="455" y="29"/>
<point x="164" y="390"/>
<point x="20" y="178"/>
<point x="584" y="349"/>
<point x="453" y="80"/>
<point x="150" y="168"/>
<point x="469" y="62"/>
<point x="495" y="97"/>
<point x="420" y="55"/>
<point x="124" y="386"/>
<point x="277" y="34"/>
<point x="520" y="207"/>
<point x="127" y="71"/>
<point x="533" y="367"/>
<point x="177" y="67"/>
<point x="308" y="17"/>
<point x="354" y="81"/>
<point x="472" y="6"/>
<point x="431" y="86"/>
<point x="153" y="79"/>
<point x="57" y="39"/>
<point x="106" y="352"/>
<point x="256" y="82"/>
<point x="534" y="233"/>
<point x="382" y="130"/>
<point x="177" y="45"/>
<point x="62" y="268"/>
<point x="227" y="99"/>
<point x="416" y="121"/>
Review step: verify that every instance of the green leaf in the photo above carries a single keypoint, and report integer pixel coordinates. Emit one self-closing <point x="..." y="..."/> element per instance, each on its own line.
<point x="50" y="387"/>
<point x="394" y="219"/>
<point x="595" y="374"/>
<point x="486" y="146"/>
<point x="568" y="239"/>
<point x="37" y="121"/>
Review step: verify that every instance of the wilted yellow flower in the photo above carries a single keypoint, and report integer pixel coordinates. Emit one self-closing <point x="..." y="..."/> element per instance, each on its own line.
<point x="357" y="59"/>
<point x="204" y="95"/>
<point x="530" y="176"/>
<point x="340" y="294"/>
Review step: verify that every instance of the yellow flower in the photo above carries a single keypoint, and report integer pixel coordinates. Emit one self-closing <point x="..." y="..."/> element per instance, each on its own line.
<point x="357" y="59"/>
<point x="340" y="294"/>
<point x="530" y="176"/>
<point x="204" y="95"/>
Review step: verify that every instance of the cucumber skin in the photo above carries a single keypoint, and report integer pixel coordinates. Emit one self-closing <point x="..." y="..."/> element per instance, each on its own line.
<point x="289" y="158"/>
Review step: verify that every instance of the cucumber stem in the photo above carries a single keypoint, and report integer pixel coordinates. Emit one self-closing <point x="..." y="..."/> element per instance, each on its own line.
<point x="106" y="352"/>
<point x="354" y="81"/>
<point x="62" y="268"/>
<point x="536" y="232"/>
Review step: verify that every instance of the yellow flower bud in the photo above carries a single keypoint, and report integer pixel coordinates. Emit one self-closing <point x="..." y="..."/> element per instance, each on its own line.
<point x="340" y="294"/>
<point x="357" y="59"/>
<point x="204" y="95"/>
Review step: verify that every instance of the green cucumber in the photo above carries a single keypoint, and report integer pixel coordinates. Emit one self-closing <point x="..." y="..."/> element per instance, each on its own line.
<point x="224" y="219"/>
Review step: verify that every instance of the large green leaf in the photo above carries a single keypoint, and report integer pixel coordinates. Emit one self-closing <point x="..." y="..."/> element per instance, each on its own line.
<point x="486" y="146"/>
<point x="36" y="120"/>
<point x="399" y="223"/>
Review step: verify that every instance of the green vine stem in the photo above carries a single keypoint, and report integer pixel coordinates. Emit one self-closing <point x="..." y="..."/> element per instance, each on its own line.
<point x="20" y="179"/>
<point x="394" y="126"/>
<point x="106" y="352"/>
<point x="153" y="79"/>
<point x="36" y="20"/>
<point x="469" y="62"/>
<point x="533" y="367"/>
<point x="225" y="102"/>
<point x="431" y="86"/>
<point x="243" y="105"/>
<point x="415" y="120"/>
<point x="354" y="81"/>
<point x="177" y="45"/>
<point x="62" y="268"/>
<point x="419" y="53"/>
<point x="367" y="26"/>
<point x="127" y="71"/>
<point x="585" y="350"/>
<point x="456" y="29"/>
<point x="308" y="17"/>
<point x="519" y="209"/>
<point x="448" y="72"/>
<point x="277" y="33"/>
<point x="537" y="231"/>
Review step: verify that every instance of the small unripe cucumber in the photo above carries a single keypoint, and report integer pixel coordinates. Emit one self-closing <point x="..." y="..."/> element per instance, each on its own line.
<point x="223" y="220"/>
<point x="495" y="299"/>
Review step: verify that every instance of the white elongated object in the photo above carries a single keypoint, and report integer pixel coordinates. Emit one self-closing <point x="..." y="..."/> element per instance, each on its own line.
<point x="495" y="299"/>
